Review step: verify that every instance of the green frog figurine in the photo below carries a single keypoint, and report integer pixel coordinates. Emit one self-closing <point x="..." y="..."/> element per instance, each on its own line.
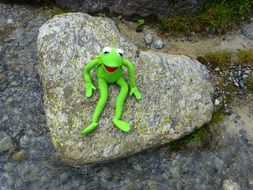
<point x="109" y="66"/>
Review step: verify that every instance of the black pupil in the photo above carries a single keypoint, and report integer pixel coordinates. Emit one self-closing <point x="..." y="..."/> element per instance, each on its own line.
<point x="106" y="52"/>
<point x="120" y="54"/>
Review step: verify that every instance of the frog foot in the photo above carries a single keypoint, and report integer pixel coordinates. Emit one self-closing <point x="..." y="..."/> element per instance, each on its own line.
<point x="88" y="129"/>
<point x="123" y="126"/>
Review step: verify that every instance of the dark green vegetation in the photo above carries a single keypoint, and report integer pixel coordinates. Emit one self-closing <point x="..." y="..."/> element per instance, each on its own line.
<point x="249" y="83"/>
<point x="140" y="25"/>
<point x="58" y="11"/>
<point x="245" y="57"/>
<point x="198" y="138"/>
<point x="203" y="137"/>
<point x="217" y="16"/>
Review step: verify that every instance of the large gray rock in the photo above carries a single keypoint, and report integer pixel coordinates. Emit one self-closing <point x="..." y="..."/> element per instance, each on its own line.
<point x="135" y="8"/>
<point x="176" y="92"/>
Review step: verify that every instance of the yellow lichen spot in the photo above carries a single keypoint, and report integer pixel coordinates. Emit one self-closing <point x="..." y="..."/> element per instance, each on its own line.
<point x="74" y="124"/>
<point x="74" y="61"/>
<point x="66" y="134"/>
<point x="57" y="124"/>
<point x="121" y="147"/>
<point x="62" y="38"/>
<point x="54" y="141"/>
<point x="58" y="105"/>
<point x="140" y="130"/>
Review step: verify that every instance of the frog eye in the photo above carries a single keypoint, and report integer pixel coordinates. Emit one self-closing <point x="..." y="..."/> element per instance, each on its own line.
<point x="107" y="50"/>
<point x="120" y="52"/>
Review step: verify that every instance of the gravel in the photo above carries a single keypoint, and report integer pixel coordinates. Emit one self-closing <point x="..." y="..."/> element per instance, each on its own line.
<point x="225" y="157"/>
<point x="158" y="44"/>
<point x="238" y="74"/>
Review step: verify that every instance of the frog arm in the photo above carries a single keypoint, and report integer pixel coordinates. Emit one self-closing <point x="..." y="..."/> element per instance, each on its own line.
<point x="131" y="79"/>
<point x="87" y="77"/>
<point x="131" y="73"/>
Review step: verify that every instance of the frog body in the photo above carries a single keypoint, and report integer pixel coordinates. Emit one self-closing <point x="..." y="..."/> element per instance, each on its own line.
<point x="109" y="69"/>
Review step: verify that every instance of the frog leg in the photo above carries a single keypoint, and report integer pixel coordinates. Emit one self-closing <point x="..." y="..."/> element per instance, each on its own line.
<point x="99" y="108"/>
<point x="119" y="106"/>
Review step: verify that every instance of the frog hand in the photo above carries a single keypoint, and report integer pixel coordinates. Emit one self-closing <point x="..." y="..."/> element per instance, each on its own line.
<point x="89" y="88"/>
<point x="136" y="93"/>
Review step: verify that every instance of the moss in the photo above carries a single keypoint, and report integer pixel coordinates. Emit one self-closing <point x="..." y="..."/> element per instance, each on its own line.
<point x="249" y="83"/>
<point x="223" y="59"/>
<point x="245" y="57"/>
<point x="201" y="137"/>
<point x="102" y="15"/>
<point x="217" y="15"/>
<point x="217" y="59"/>
<point x="218" y="116"/>
<point x="59" y="10"/>
<point x="198" y="137"/>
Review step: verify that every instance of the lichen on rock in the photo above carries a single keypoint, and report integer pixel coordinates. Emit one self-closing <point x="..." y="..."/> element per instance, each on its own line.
<point x="176" y="92"/>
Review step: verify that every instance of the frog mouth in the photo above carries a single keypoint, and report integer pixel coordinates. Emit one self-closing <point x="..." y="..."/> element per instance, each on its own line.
<point x="110" y="69"/>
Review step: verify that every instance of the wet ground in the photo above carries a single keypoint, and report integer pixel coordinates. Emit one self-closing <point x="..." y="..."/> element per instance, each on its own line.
<point x="29" y="161"/>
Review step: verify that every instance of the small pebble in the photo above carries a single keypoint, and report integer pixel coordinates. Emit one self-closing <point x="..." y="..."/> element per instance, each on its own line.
<point x="250" y="180"/>
<point x="216" y="102"/>
<point x="230" y="185"/>
<point x="236" y="84"/>
<point x="217" y="69"/>
<point x="5" y="142"/>
<point x="241" y="84"/>
<point x="10" y="21"/>
<point x="148" y="39"/>
<point x="244" y="76"/>
<point x="189" y="39"/>
<point x="158" y="44"/>
<point x="19" y="156"/>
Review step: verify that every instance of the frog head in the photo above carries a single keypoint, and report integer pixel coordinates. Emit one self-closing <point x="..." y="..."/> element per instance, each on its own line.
<point x="111" y="58"/>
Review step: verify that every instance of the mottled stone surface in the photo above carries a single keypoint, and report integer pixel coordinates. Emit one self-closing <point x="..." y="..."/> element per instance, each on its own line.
<point x="176" y="92"/>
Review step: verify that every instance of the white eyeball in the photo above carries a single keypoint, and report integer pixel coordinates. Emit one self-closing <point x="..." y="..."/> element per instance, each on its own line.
<point x="107" y="50"/>
<point x="120" y="52"/>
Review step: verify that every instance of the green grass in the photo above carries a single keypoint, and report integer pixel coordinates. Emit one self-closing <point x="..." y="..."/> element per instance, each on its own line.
<point x="245" y="57"/>
<point x="220" y="59"/>
<point x="223" y="59"/>
<point x="217" y="15"/>
<point x="59" y="10"/>
<point x="249" y="83"/>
